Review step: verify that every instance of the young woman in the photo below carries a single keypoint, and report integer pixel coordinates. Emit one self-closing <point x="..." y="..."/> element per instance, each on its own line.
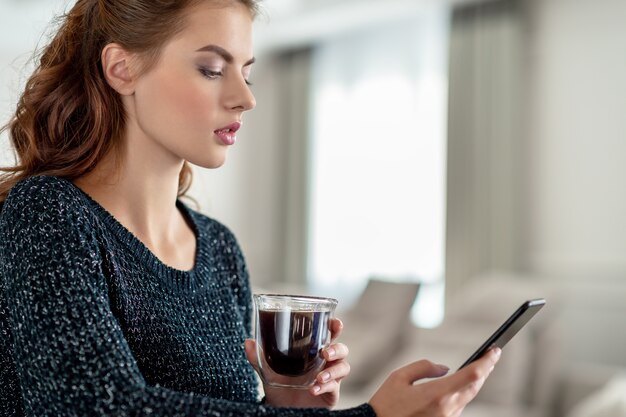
<point x="116" y="298"/>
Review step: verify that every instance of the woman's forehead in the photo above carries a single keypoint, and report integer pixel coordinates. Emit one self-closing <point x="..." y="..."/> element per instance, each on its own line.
<point x="226" y="24"/>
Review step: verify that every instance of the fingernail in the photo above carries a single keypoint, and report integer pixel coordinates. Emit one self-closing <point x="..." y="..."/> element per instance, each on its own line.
<point x="497" y="351"/>
<point x="325" y="376"/>
<point x="443" y="368"/>
<point x="331" y="352"/>
<point x="316" y="389"/>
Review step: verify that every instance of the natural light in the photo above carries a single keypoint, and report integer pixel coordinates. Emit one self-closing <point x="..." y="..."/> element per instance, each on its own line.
<point x="378" y="180"/>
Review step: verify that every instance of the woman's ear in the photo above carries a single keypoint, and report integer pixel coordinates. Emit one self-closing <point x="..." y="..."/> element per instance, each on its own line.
<point x="116" y="65"/>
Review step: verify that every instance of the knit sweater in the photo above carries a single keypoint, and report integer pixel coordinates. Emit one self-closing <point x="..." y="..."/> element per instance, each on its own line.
<point x="92" y="323"/>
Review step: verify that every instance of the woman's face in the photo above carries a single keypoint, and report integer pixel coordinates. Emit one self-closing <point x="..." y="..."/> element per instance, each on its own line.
<point x="190" y="104"/>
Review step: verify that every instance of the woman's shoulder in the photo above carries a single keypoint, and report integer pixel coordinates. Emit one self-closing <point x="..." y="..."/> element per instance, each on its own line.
<point x="40" y="187"/>
<point x="42" y="198"/>
<point x="44" y="219"/>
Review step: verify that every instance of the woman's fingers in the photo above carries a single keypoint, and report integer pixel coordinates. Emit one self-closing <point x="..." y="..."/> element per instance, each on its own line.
<point x="399" y="396"/>
<point x="475" y="373"/>
<point x="465" y="384"/>
<point x="338" y="371"/>
<point x="250" y="347"/>
<point x="319" y="389"/>
<point x="419" y="370"/>
<point x="336" y="326"/>
<point x="335" y="352"/>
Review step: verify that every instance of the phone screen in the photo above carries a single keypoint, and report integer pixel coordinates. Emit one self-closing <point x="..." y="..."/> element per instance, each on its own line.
<point x="509" y="328"/>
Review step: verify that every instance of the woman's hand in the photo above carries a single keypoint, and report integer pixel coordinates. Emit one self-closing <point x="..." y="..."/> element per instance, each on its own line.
<point x="325" y="392"/>
<point x="444" y="397"/>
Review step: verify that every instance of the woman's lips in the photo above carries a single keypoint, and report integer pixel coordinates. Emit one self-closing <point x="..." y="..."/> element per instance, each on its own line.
<point x="228" y="134"/>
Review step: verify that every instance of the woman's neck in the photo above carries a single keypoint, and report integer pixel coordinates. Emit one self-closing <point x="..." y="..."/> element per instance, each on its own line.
<point x="141" y="194"/>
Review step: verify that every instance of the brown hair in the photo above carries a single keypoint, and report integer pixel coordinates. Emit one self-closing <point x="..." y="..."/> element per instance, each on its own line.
<point x="68" y="117"/>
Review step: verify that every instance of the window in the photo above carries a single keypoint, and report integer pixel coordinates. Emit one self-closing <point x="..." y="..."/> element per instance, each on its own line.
<point x="378" y="160"/>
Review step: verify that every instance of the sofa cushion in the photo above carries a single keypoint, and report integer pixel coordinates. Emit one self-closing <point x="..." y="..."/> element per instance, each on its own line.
<point x="507" y="384"/>
<point x="608" y="401"/>
<point x="481" y="409"/>
<point x="451" y="344"/>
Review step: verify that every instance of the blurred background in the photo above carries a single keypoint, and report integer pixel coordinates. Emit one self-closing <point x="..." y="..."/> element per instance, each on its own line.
<point x="436" y="162"/>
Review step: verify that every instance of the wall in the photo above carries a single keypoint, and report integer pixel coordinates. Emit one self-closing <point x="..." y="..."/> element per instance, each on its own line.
<point x="23" y="25"/>
<point x="575" y="155"/>
<point x="247" y="192"/>
<point x="576" y="151"/>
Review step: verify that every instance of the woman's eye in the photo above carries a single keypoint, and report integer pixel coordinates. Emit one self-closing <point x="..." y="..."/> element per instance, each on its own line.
<point x="210" y="74"/>
<point x="246" y="75"/>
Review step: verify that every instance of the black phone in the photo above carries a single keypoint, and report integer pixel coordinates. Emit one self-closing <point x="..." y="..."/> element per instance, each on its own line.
<point x="509" y="328"/>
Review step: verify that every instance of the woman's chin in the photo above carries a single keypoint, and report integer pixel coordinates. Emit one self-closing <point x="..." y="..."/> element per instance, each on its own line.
<point x="215" y="158"/>
<point x="211" y="163"/>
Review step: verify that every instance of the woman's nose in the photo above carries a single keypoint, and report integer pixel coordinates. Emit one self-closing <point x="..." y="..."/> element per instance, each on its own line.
<point x="240" y="96"/>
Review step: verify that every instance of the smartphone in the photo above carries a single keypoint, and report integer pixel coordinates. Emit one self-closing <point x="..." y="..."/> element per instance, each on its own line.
<point x="509" y="328"/>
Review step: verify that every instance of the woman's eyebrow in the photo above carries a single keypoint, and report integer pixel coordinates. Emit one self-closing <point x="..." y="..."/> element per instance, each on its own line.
<point x="228" y="57"/>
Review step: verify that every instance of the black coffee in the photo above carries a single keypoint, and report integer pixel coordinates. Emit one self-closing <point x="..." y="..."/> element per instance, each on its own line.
<point x="291" y="341"/>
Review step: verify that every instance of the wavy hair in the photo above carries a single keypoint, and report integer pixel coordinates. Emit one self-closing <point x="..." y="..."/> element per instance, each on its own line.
<point x="68" y="118"/>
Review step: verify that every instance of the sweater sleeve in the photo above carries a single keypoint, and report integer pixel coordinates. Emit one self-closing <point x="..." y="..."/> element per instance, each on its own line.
<point x="70" y="353"/>
<point x="241" y="285"/>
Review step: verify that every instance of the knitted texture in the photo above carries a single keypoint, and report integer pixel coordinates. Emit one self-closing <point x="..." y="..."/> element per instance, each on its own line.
<point x="93" y="324"/>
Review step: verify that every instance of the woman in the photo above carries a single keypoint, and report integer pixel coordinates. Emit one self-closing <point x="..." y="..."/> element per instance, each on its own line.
<point x="117" y="299"/>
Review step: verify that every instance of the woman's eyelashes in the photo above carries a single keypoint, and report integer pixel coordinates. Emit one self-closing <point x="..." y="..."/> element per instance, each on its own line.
<point x="213" y="74"/>
<point x="246" y="75"/>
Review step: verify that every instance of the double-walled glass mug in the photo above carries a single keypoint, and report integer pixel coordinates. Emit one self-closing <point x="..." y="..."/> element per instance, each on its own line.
<point x="291" y="331"/>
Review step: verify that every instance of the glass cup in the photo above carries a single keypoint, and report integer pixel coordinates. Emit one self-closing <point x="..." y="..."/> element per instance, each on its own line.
<point x="291" y="331"/>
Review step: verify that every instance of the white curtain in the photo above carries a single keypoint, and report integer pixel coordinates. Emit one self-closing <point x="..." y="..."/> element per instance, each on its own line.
<point x="378" y="159"/>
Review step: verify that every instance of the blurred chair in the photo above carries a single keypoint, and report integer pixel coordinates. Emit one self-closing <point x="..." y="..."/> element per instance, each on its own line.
<point x="375" y="326"/>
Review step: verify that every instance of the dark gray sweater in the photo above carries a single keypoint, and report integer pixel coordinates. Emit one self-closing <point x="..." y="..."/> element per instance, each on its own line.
<point x="93" y="324"/>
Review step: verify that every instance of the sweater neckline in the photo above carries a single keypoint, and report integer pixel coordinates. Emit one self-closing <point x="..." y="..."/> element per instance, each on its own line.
<point x="184" y="278"/>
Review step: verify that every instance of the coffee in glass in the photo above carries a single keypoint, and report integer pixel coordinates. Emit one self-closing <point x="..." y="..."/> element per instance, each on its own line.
<point x="291" y="332"/>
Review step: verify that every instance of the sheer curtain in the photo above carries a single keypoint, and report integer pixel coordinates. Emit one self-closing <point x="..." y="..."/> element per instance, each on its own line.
<point x="377" y="191"/>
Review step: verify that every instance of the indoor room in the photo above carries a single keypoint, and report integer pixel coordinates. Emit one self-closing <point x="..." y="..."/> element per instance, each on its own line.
<point x="431" y="164"/>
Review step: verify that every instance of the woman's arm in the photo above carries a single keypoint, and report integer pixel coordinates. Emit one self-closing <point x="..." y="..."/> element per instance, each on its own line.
<point x="71" y="356"/>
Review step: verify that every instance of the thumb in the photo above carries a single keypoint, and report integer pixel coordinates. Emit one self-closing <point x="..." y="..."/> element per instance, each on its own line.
<point x="419" y="370"/>
<point x="250" y="346"/>
<point x="336" y="326"/>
